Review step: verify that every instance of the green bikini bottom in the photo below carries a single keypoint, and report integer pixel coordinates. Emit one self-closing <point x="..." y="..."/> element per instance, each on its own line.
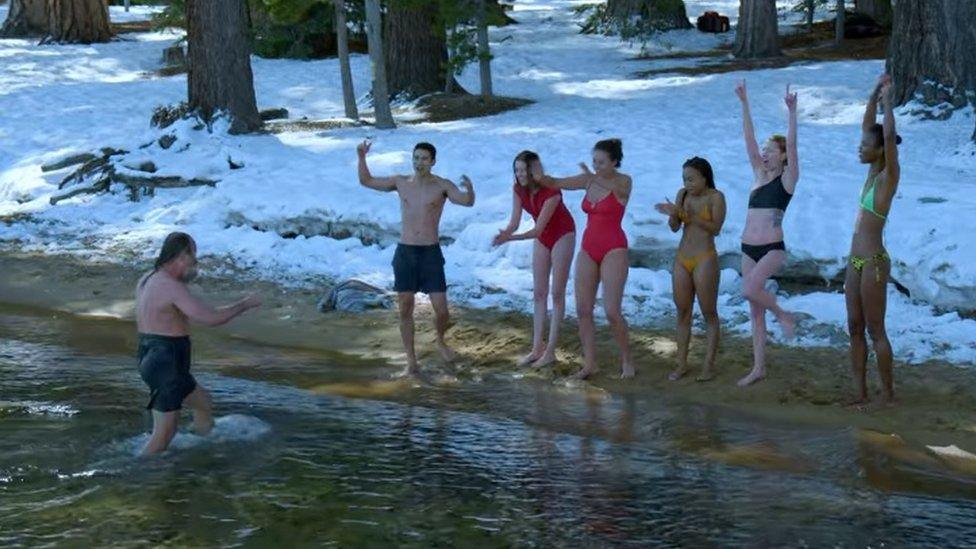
<point x="859" y="262"/>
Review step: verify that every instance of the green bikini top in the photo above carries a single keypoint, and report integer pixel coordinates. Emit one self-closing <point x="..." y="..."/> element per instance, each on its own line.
<point x="867" y="199"/>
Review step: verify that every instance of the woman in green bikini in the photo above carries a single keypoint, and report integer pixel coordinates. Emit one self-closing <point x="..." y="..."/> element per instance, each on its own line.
<point x="865" y="287"/>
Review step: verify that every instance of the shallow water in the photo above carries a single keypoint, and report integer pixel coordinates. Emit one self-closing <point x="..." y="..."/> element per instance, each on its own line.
<point x="504" y="462"/>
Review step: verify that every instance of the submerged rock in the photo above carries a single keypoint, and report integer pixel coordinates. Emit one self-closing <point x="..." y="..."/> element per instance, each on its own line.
<point x="355" y="296"/>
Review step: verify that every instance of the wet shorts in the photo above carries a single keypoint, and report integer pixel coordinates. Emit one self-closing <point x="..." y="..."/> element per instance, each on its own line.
<point x="164" y="364"/>
<point x="419" y="269"/>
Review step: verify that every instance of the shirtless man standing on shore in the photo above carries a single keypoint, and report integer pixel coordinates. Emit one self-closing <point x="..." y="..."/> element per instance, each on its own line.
<point x="418" y="264"/>
<point x="164" y="309"/>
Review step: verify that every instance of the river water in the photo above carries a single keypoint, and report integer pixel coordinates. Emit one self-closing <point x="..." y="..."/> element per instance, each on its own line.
<point x="505" y="462"/>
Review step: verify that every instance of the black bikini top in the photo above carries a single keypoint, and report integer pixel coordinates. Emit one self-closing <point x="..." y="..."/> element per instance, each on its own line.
<point x="771" y="195"/>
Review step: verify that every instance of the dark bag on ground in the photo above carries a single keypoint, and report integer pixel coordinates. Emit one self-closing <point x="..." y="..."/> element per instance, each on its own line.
<point x="711" y="21"/>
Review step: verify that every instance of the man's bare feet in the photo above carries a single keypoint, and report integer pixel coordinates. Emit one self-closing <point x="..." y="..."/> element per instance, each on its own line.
<point x="677" y="374"/>
<point x="545" y="360"/>
<point x="447" y="353"/>
<point x="705" y="375"/>
<point x="627" y="371"/>
<point x="788" y="321"/>
<point x="528" y="359"/>
<point x="411" y="371"/>
<point x="585" y="373"/>
<point x="753" y="377"/>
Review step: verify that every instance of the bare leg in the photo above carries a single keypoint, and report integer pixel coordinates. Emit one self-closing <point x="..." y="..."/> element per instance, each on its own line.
<point x="200" y="402"/>
<point x="164" y="429"/>
<point x="683" y="290"/>
<point x="754" y="288"/>
<point x="874" y="297"/>
<point x="442" y="321"/>
<point x="405" y="302"/>
<point x="706" y="277"/>
<point x="562" y="258"/>
<point x="613" y="276"/>
<point x="540" y="298"/>
<point x="587" y="281"/>
<point x="758" y="316"/>
<point x="855" y="328"/>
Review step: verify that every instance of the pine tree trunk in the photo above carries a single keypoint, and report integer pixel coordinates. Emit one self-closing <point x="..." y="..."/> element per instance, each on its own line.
<point x="25" y="18"/>
<point x="342" y="45"/>
<point x="78" y="21"/>
<point x="219" y="62"/>
<point x="839" y="23"/>
<point x="416" y="49"/>
<point x="757" y="34"/>
<point x="381" y="95"/>
<point x="484" y="52"/>
<point x="879" y="10"/>
<point x="652" y="14"/>
<point x="931" y="51"/>
<point x="810" y="10"/>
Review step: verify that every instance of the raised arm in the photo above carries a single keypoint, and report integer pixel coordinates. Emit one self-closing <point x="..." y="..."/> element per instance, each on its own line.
<point x="791" y="175"/>
<point x="571" y="183"/>
<point x="198" y="311"/>
<point x="892" y="167"/>
<point x="457" y="196"/>
<point x="548" y="209"/>
<point x="366" y="179"/>
<point x="748" y="132"/>
<point x="871" y="111"/>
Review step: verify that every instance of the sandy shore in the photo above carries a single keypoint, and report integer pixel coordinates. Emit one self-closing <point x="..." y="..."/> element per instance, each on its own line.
<point x="807" y="385"/>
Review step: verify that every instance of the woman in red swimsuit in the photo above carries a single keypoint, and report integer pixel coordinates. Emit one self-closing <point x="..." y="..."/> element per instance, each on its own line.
<point x="604" y="250"/>
<point x="555" y="239"/>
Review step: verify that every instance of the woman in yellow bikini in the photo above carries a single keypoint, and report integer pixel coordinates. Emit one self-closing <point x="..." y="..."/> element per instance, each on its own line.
<point x="865" y="287"/>
<point x="700" y="209"/>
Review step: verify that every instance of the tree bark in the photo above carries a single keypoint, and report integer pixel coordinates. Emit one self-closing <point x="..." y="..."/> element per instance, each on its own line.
<point x="839" y="23"/>
<point x="342" y="45"/>
<point x="809" y="13"/>
<point x="879" y="10"/>
<point x="656" y="14"/>
<point x="78" y="21"/>
<point x="381" y="95"/>
<point x="757" y="34"/>
<point x="931" y="52"/>
<point x="416" y="49"/>
<point x="25" y="18"/>
<point x="219" y="63"/>
<point x="484" y="51"/>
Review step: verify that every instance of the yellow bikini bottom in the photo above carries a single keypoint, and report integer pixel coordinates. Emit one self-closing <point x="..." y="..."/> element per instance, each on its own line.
<point x="859" y="262"/>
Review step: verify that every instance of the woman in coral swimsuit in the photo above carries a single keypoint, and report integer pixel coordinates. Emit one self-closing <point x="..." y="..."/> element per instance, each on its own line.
<point x="555" y="239"/>
<point x="603" y="258"/>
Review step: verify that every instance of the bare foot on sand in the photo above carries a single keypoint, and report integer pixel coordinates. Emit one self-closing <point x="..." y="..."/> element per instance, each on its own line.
<point x="627" y="371"/>
<point x="677" y="374"/>
<point x="585" y="373"/>
<point x="544" y="360"/>
<point x="447" y="353"/>
<point x="753" y="377"/>
<point x="528" y="359"/>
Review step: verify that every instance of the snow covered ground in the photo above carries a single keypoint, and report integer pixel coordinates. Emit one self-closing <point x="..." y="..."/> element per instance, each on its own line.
<point x="59" y="100"/>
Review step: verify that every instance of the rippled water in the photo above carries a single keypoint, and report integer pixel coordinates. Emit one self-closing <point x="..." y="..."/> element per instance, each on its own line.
<point x="501" y="463"/>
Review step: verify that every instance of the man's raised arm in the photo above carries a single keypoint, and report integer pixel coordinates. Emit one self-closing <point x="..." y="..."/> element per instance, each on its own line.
<point x="366" y="179"/>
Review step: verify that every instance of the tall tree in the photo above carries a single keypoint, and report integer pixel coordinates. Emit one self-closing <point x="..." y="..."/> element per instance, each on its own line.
<point x="930" y="56"/>
<point x="416" y="48"/>
<point x="839" y="22"/>
<point x="809" y="8"/>
<point x="879" y="10"/>
<point x="25" y="18"/>
<point x="219" y="62"/>
<point x="649" y="15"/>
<point x="484" y="53"/>
<point x="381" y="94"/>
<point x="757" y="34"/>
<point x="81" y="21"/>
<point x="342" y="43"/>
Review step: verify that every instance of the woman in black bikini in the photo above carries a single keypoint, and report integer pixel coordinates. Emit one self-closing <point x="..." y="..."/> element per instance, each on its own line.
<point x="865" y="287"/>
<point x="776" y="173"/>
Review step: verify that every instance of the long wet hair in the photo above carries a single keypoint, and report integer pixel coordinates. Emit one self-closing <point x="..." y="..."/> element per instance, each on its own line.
<point x="528" y="157"/>
<point x="614" y="149"/>
<point x="173" y="246"/>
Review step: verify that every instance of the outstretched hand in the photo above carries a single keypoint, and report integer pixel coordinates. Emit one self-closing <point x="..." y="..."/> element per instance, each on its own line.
<point x="790" y="99"/>
<point x="502" y="237"/>
<point x="740" y="90"/>
<point x="363" y="147"/>
<point x="466" y="183"/>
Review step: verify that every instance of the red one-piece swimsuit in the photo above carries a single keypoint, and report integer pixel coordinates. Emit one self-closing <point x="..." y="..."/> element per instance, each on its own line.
<point x="603" y="232"/>
<point x="561" y="222"/>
